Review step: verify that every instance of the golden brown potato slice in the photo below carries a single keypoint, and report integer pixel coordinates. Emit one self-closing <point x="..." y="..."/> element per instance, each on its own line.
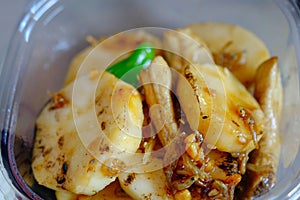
<point x="230" y="118"/>
<point x="67" y="133"/>
<point x="183" y="47"/>
<point x="112" y="191"/>
<point x="233" y="47"/>
<point x="150" y="185"/>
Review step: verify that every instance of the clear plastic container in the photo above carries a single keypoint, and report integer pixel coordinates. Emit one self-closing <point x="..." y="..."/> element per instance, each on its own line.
<point x="53" y="31"/>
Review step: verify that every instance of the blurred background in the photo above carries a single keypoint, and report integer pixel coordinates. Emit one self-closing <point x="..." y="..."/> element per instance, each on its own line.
<point x="10" y="13"/>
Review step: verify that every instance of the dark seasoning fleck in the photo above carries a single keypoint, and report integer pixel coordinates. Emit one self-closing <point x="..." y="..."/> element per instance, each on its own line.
<point x="100" y="112"/>
<point x="204" y="117"/>
<point x="46" y="151"/>
<point x="60" y="179"/>
<point x="65" y="168"/>
<point x="50" y="164"/>
<point x="58" y="100"/>
<point x="103" y="148"/>
<point x="148" y="196"/>
<point x="230" y="165"/>
<point x="130" y="178"/>
<point x="60" y="142"/>
<point x="103" y="126"/>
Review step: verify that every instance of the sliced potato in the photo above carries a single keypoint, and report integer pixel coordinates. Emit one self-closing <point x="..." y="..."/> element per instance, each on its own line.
<point x="150" y="185"/>
<point x="233" y="47"/>
<point x="183" y="47"/>
<point x="65" y="195"/>
<point x="230" y="118"/>
<point x="74" y="124"/>
<point x="112" y="191"/>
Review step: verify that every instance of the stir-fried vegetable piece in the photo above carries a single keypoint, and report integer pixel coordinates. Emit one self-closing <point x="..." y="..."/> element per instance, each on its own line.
<point x="129" y="68"/>
<point x="189" y="47"/>
<point x="233" y="47"/>
<point x="230" y="119"/>
<point x="262" y="166"/>
<point x="157" y="82"/>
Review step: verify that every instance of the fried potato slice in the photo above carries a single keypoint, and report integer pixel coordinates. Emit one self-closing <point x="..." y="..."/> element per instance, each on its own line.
<point x="183" y="47"/>
<point x="66" y="133"/>
<point x="233" y="47"/>
<point x="150" y="185"/>
<point x="230" y="118"/>
<point x="112" y="191"/>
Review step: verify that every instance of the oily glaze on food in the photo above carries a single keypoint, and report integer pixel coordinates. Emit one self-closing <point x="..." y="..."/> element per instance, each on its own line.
<point x="60" y="160"/>
<point x="212" y="101"/>
<point x="233" y="47"/>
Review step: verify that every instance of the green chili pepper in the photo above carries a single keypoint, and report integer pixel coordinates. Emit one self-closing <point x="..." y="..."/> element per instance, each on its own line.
<point x="129" y="68"/>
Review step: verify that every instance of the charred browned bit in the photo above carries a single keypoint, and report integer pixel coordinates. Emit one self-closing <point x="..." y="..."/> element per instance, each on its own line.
<point x="262" y="166"/>
<point x="65" y="168"/>
<point x="58" y="100"/>
<point x="130" y="179"/>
